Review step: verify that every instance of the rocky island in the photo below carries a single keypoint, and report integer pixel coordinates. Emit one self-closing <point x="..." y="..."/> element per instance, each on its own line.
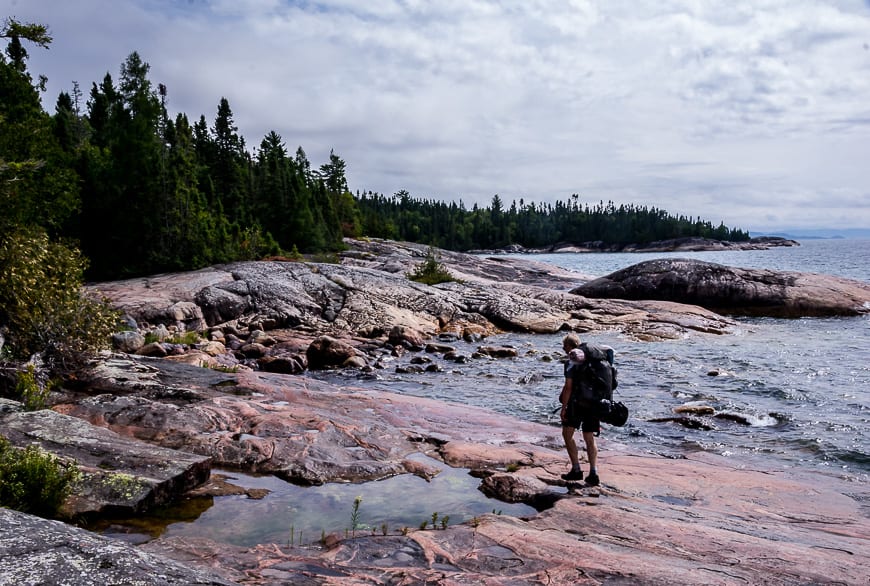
<point x="147" y="423"/>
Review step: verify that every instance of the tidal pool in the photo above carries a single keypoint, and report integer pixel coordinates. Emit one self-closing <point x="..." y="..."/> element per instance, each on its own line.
<point x="299" y="515"/>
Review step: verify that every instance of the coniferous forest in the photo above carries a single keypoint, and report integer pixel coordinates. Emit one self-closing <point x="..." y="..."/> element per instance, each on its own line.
<point x="111" y="173"/>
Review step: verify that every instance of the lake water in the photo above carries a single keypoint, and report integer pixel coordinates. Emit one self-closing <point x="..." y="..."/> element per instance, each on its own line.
<point x="790" y="393"/>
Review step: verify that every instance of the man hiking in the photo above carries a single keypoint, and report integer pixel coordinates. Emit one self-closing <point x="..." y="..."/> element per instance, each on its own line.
<point x="585" y="383"/>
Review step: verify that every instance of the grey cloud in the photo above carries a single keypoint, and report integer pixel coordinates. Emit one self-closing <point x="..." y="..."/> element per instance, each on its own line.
<point x="690" y="106"/>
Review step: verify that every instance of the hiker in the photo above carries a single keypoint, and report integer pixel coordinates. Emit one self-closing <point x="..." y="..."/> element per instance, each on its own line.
<point x="574" y="416"/>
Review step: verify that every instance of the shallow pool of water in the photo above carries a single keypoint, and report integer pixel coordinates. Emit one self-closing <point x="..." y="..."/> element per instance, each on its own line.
<point x="300" y="515"/>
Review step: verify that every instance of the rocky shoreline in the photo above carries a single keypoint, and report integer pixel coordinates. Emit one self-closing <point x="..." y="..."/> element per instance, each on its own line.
<point x="686" y="244"/>
<point x="147" y="424"/>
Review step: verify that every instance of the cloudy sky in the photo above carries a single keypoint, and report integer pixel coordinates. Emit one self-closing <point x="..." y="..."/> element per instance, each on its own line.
<point x="752" y="113"/>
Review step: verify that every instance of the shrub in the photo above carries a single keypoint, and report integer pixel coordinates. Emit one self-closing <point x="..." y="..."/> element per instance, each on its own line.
<point x="43" y="304"/>
<point x="33" y="481"/>
<point x="330" y="258"/>
<point x="431" y="271"/>
<point x="32" y="392"/>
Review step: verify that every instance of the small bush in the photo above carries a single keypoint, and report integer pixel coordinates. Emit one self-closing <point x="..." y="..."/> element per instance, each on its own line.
<point x="43" y="304"/>
<point x="187" y="338"/>
<point x="32" y="392"/>
<point x="330" y="258"/>
<point x="431" y="271"/>
<point x="33" y="481"/>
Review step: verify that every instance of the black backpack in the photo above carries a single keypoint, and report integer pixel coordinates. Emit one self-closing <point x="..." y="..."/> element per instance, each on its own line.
<point x="594" y="381"/>
<point x="594" y="378"/>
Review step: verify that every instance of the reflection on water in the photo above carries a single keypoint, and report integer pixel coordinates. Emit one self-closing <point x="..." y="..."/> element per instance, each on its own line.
<point x="302" y="515"/>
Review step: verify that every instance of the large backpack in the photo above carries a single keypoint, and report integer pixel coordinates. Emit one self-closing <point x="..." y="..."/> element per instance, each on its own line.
<point x="595" y="378"/>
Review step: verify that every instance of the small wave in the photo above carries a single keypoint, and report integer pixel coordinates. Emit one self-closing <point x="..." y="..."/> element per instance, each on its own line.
<point x="752" y="420"/>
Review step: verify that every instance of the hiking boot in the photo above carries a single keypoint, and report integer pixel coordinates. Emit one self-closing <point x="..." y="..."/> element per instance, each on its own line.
<point x="592" y="479"/>
<point x="573" y="475"/>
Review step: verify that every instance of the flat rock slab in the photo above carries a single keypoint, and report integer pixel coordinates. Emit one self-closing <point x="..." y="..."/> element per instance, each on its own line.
<point x="35" y="551"/>
<point x="299" y="429"/>
<point x="119" y="474"/>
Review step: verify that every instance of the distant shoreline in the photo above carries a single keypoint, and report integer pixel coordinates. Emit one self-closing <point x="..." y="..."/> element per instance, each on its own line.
<point x="687" y="244"/>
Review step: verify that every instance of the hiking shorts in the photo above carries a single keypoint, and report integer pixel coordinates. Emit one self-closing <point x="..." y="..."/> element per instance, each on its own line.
<point x="583" y="419"/>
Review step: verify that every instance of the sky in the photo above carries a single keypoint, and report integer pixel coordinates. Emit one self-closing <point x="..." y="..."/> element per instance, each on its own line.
<point x="755" y="114"/>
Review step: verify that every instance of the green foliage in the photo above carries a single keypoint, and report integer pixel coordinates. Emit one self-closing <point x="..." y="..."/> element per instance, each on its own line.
<point x="32" y="392"/>
<point x="452" y="226"/>
<point x="43" y="304"/>
<point x="326" y="258"/>
<point x="187" y="338"/>
<point x="35" y="33"/>
<point x="431" y="271"/>
<point x="33" y="481"/>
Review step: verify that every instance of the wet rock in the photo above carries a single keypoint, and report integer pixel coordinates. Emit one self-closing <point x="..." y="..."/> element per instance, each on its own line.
<point x="687" y="422"/>
<point x="434" y="348"/>
<point x="498" y="351"/>
<point x="410" y="369"/>
<point x="355" y="362"/>
<point x="695" y="409"/>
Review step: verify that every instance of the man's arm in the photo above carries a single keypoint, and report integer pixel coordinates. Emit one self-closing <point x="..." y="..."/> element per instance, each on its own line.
<point x="565" y="396"/>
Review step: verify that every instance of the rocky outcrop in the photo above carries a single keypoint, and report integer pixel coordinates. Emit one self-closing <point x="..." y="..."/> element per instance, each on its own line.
<point x="119" y="475"/>
<point x="654" y="520"/>
<point x="731" y="290"/>
<point x="298" y="429"/>
<point x="37" y="551"/>
<point x="367" y="302"/>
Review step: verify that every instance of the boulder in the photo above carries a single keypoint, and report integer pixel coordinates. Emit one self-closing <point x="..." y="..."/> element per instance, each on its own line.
<point x="224" y="302"/>
<point x="498" y="351"/>
<point x="155" y="349"/>
<point x="327" y="352"/>
<point x="407" y="337"/>
<point x="285" y="363"/>
<point x="731" y="290"/>
<point x="128" y="342"/>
